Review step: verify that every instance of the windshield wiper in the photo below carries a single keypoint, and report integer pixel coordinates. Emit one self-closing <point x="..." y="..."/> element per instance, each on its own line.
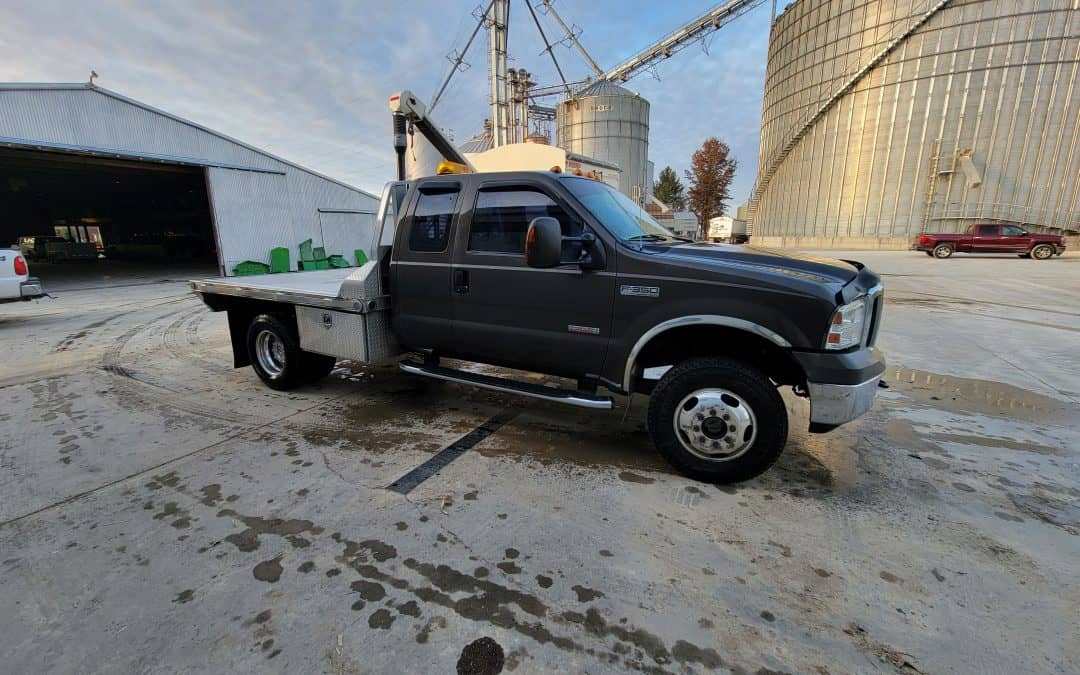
<point x="647" y="237"/>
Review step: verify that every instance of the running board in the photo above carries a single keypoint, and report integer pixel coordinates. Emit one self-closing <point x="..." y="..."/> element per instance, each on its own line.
<point x="575" y="398"/>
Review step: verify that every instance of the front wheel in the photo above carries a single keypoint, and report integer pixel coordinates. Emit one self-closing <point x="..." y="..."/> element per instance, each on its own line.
<point x="1042" y="252"/>
<point x="717" y="420"/>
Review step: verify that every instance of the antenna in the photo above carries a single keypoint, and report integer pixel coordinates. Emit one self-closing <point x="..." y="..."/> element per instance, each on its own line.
<point x="93" y="76"/>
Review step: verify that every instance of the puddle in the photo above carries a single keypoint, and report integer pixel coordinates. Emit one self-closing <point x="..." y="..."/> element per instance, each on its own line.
<point x="963" y="395"/>
<point x="602" y="442"/>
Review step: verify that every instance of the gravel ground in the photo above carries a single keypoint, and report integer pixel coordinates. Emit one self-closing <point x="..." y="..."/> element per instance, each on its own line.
<point x="163" y="512"/>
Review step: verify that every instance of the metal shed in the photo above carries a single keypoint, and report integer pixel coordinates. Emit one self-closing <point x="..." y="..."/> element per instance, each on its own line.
<point x="72" y="136"/>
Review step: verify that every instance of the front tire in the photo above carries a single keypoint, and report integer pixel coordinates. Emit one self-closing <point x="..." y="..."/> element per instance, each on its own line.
<point x="274" y="349"/>
<point x="717" y="420"/>
<point x="1042" y="252"/>
<point x="942" y="251"/>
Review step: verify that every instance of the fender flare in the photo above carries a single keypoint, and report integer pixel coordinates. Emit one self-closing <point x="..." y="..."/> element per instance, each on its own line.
<point x="698" y="320"/>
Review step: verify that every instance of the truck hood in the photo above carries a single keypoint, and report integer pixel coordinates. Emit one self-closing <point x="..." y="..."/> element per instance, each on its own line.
<point x="731" y="258"/>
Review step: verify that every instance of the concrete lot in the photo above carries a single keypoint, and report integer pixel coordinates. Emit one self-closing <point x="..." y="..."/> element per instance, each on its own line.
<point x="162" y="512"/>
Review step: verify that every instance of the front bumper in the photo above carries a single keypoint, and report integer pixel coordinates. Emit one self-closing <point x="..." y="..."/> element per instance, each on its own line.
<point x="842" y="386"/>
<point x="31" y="288"/>
<point x="834" y="404"/>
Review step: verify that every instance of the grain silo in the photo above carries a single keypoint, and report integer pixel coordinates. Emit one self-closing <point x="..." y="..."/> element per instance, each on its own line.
<point x="609" y="123"/>
<point x="888" y="117"/>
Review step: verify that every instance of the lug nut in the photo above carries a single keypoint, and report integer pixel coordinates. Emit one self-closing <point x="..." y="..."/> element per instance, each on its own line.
<point x="727" y="417"/>
<point x="697" y="428"/>
<point x="716" y="444"/>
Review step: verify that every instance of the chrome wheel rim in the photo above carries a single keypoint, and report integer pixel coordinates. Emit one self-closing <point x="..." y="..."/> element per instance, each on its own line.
<point x="270" y="351"/>
<point x="716" y="425"/>
<point x="1041" y="252"/>
<point x="942" y="252"/>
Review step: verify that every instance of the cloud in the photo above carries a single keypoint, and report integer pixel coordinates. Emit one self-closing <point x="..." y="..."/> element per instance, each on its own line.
<point x="309" y="80"/>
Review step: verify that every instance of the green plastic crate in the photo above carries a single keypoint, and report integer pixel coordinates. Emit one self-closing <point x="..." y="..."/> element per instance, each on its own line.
<point x="250" y="268"/>
<point x="279" y="260"/>
<point x="361" y="257"/>
<point x="322" y="264"/>
<point x="319" y="253"/>
<point x="306" y="254"/>
<point x="338" y="261"/>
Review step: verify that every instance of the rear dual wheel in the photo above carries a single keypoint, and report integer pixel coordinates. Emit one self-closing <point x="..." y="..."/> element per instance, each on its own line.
<point x="717" y="420"/>
<point x="274" y="349"/>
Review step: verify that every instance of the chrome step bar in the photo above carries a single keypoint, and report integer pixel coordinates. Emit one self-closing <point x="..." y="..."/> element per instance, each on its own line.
<point x="574" y="398"/>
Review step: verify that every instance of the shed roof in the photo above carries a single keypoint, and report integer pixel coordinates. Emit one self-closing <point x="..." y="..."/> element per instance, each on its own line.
<point x="85" y="86"/>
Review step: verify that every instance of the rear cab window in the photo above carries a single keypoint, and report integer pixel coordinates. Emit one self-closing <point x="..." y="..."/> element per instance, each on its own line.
<point x="501" y="217"/>
<point x="429" y="231"/>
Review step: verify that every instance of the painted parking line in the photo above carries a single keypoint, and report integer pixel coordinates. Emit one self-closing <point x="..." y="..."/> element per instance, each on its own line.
<point x="441" y="459"/>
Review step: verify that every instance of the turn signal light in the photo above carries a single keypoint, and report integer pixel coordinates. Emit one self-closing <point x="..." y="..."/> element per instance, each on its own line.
<point x="20" y="266"/>
<point x="846" y="325"/>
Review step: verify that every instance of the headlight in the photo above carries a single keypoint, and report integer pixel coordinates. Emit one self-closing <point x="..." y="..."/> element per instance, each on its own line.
<point x="846" y="325"/>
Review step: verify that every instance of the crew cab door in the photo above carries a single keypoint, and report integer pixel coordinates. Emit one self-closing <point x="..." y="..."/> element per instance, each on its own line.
<point x="420" y="270"/>
<point x="550" y="320"/>
<point x="1014" y="238"/>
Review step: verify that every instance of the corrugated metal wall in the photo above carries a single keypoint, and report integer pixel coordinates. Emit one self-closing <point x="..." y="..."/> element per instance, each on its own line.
<point x="996" y="80"/>
<point x="258" y="201"/>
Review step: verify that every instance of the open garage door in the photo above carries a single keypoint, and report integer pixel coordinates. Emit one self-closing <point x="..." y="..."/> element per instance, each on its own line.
<point x="76" y="215"/>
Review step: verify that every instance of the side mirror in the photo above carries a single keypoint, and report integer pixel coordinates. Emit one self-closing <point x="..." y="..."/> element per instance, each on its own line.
<point x="543" y="243"/>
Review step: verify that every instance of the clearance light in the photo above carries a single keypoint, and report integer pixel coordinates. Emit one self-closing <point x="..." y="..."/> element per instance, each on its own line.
<point x="451" y="167"/>
<point x="556" y="169"/>
<point x="846" y="325"/>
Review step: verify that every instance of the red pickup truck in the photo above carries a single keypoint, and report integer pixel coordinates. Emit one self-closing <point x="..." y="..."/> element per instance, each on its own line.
<point x="992" y="239"/>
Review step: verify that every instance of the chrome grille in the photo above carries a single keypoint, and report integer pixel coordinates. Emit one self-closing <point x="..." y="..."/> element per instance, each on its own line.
<point x="876" y="299"/>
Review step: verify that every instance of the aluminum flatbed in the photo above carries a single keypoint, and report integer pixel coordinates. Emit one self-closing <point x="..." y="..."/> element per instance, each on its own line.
<point x="345" y="289"/>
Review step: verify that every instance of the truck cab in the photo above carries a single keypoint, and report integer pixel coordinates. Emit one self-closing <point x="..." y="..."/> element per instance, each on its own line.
<point x="560" y="274"/>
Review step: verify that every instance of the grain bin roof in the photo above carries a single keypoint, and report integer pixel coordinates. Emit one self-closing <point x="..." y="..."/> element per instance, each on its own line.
<point x="603" y="88"/>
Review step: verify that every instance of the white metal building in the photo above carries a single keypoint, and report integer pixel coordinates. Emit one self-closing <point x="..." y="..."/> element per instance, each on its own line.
<point x="72" y="154"/>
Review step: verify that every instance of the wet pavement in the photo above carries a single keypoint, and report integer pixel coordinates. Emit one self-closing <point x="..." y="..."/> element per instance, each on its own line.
<point x="163" y="512"/>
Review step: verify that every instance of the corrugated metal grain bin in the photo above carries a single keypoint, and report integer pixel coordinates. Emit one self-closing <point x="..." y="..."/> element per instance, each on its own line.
<point x="885" y="118"/>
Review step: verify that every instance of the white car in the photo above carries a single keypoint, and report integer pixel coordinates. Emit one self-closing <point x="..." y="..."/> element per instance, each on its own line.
<point x="15" y="280"/>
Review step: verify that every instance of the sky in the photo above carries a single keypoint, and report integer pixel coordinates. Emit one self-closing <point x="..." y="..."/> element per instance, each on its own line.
<point x="309" y="81"/>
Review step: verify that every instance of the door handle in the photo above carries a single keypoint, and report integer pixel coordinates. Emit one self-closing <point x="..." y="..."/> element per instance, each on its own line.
<point x="461" y="281"/>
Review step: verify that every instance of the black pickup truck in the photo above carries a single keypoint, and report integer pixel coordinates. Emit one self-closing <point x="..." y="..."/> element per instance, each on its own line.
<point x="563" y="275"/>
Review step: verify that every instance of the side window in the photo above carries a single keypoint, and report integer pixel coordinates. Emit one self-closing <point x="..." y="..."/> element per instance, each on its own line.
<point x="1012" y="231"/>
<point x="501" y="219"/>
<point x="431" y="221"/>
<point x="987" y="230"/>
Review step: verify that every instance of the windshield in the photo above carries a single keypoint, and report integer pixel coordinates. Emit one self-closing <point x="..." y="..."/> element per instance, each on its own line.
<point x="625" y="219"/>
